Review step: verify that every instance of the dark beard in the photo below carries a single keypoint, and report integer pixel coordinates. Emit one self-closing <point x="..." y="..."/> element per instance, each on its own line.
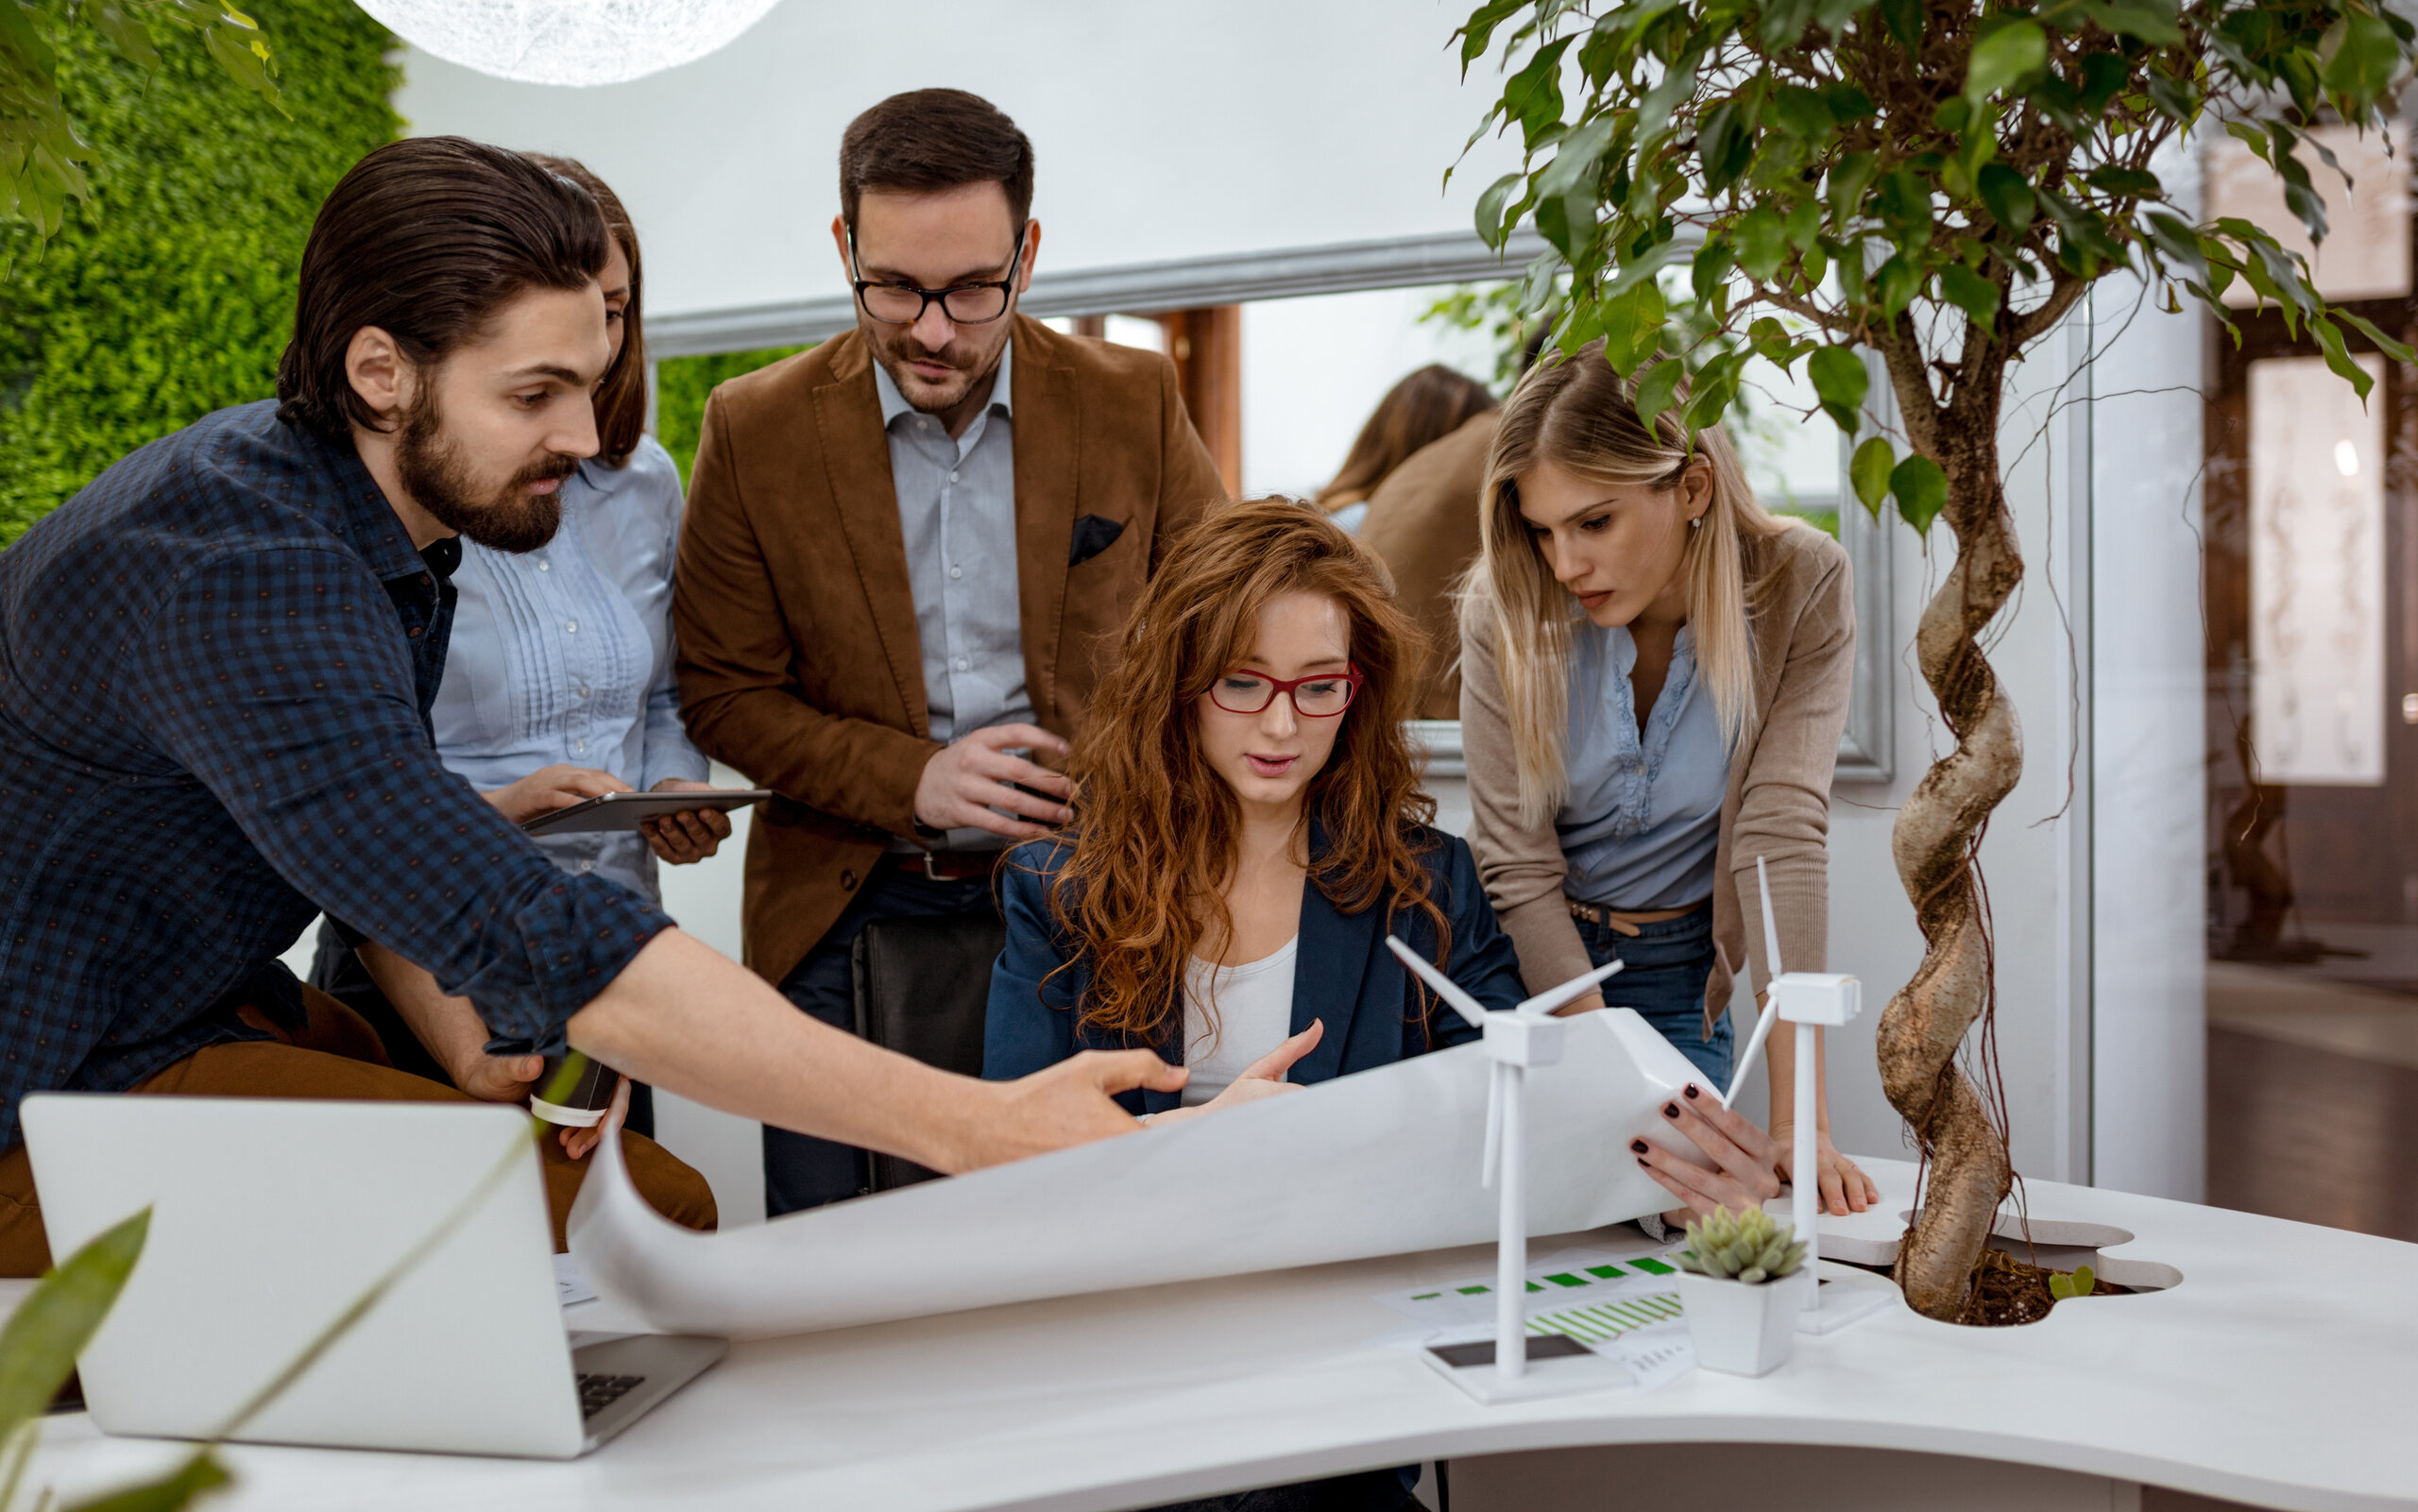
<point x="513" y="521"/>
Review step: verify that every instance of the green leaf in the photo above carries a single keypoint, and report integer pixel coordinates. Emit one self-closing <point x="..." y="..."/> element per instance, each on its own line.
<point x="1869" y="471"/>
<point x="1533" y="94"/>
<point x="1479" y="30"/>
<point x="2338" y="359"/>
<point x="2086" y="1280"/>
<point x="52" y="1326"/>
<point x="1904" y="20"/>
<point x="2153" y="21"/>
<point x="2006" y="196"/>
<point x="2061" y="1286"/>
<point x="2104" y="77"/>
<point x="2176" y="101"/>
<point x="2170" y="236"/>
<point x="1677" y="83"/>
<point x="1490" y="228"/>
<point x="195" y="1477"/>
<point x="1656" y="389"/>
<point x="2398" y="351"/>
<point x="2133" y="183"/>
<point x="2004" y="56"/>
<point x="1841" y="380"/>
<point x="1850" y="177"/>
<point x="2361" y="54"/>
<point x="1761" y="240"/>
<point x="1921" y="490"/>
<point x="1971" y="292"/>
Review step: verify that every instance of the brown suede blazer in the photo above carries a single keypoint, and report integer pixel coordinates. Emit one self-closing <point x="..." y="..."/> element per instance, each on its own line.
<point x="799" y="663"/>
<point x="1422" y="524"/>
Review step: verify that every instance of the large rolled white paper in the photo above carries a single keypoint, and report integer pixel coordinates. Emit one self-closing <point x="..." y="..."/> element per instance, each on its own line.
<point x="1384" y="1161"/>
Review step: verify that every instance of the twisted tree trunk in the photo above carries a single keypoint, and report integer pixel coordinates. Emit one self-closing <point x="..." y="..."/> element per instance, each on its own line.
<point x="1934" y="843"/>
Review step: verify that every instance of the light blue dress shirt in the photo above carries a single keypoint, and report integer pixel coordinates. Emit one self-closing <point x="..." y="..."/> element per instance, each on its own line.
<point x="956" y="508"/>
<point x="564" y="654"/>
<point x="1644" y="816"/>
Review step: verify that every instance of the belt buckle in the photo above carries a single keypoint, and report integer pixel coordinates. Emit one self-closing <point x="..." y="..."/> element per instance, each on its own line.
<point x="930" y="872"/>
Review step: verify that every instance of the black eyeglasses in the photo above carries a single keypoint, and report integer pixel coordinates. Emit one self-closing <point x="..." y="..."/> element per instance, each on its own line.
<point x="965" y="304"/>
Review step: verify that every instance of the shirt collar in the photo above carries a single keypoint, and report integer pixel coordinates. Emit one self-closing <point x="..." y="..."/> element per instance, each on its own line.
<point x="893" y="403"/>
<point x="364" y="517"/>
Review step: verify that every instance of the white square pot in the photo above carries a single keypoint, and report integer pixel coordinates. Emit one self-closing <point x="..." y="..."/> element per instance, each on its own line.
<point x="1742" y="1330"/>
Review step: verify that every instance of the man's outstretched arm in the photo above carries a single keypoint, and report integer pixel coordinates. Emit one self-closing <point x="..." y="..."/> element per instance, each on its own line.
<point x="684" y="1017"/>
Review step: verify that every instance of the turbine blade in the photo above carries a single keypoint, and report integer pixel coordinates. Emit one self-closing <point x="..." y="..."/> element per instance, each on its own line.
<point x="1552" y="998"/>
<point x="1771" y="930"/>
<point x="1754" y="1045"/>
<point x="1462" y="1002"/>
<point x="1494" y="1160"/>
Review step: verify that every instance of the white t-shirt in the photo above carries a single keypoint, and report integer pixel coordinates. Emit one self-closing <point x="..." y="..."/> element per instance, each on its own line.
<point x="1253" y="1007"/>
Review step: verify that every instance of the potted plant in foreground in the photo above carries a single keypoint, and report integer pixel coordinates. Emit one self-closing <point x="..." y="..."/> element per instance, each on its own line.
<point x="1743" y="1322"/>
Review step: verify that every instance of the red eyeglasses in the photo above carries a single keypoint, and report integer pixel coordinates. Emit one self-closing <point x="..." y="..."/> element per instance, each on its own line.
<point x="1319" y="696"/>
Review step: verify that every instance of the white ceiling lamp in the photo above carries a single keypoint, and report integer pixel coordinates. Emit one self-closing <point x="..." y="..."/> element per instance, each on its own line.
<point x="568" y="41"/>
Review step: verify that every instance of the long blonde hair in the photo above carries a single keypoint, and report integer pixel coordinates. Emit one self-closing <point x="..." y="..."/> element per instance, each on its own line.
<point x="1581" y="414"/>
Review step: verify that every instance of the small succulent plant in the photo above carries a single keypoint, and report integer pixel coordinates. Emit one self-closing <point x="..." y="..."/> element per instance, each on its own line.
<point x="2063" y="1286"/>
<point x="1743" y="1247"/>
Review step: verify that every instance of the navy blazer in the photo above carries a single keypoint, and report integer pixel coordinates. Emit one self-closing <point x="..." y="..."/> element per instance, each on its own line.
<point x="1344" y="974"/>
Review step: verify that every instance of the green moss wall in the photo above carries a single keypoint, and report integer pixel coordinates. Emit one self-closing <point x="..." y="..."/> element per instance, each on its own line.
<point x="173" y="295"/>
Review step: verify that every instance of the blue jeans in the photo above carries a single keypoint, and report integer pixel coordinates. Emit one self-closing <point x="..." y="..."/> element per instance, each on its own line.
<point x="799" y="1171"/>
<point x="1666" y="967"/>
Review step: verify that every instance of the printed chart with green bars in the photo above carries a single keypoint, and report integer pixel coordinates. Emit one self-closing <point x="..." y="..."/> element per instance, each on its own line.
<point x="1592" y="1298"/>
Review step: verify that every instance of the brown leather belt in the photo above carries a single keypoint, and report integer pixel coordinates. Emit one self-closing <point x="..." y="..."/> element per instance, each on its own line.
<point x="1621" y="921"/>
<point x="946" y="866"/>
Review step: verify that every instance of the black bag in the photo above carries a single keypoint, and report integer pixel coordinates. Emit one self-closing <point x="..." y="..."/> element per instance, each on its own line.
<point x="923" y="987"/>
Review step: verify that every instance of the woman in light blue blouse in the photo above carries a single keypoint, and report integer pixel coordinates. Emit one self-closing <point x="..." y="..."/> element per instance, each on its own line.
<point x="558" y="687"/>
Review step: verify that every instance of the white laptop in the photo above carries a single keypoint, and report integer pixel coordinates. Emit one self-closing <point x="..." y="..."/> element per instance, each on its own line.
<point x="270" y="1217"/>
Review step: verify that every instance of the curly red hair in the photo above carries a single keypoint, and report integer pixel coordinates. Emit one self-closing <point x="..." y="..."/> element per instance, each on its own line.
<point x="1154" y="836"/>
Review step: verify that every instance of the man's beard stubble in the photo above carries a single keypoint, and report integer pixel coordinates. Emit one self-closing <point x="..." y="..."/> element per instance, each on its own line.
<point x="895" y="353"/>
<point x="513" y="520"/>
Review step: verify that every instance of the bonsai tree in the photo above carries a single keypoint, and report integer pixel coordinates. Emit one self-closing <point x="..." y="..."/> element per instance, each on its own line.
<point x="1938" y="184"/>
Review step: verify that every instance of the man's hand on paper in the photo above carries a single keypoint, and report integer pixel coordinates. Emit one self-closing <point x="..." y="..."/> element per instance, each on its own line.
<point x="1745" y="1159"/>
<point x="1065" y="1104"/>
<point x="551" y="788"/>
<point x="690" y="834"/>
<point x="966" y="780"/>
<point x="1263" y="1077"/>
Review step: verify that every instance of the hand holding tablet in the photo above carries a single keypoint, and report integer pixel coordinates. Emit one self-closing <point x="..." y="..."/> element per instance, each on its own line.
<point x="616" y="811"/>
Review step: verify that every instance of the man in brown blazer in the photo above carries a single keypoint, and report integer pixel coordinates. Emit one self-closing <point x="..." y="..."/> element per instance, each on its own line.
<point x="905" y="556"/>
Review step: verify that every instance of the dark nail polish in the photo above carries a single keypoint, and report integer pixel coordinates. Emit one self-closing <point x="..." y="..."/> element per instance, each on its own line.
<point x="1638" y="1145"/>
<point x="1641" y="1166"/>
<point x="1691" y="1088"/>
<point x="1670" y="1110"/>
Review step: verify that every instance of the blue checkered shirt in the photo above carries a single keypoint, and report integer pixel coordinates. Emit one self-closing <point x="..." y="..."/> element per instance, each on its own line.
<point x="216" y="663"/>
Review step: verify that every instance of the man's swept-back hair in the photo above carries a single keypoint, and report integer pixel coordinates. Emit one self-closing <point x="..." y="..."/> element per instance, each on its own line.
<point x="427" y="239"/>
<point x="930" y="139"/>
<point x="621" y="395"/>
<point x="1156" y="828"/>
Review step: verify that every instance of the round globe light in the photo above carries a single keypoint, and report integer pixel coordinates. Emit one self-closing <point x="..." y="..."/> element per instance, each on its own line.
<point x="568" y="41"/>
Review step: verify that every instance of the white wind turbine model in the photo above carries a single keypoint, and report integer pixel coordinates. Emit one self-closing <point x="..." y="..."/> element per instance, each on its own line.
<point x="1809" y="1000"/>
<point x="1516" y="1038"/>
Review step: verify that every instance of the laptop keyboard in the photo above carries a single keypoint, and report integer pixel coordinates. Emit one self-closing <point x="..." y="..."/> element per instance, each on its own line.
<point x="598" y="1392"/>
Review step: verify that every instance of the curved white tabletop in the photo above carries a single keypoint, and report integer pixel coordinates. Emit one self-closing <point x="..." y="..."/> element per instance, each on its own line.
<point x="2282" y="1371"/>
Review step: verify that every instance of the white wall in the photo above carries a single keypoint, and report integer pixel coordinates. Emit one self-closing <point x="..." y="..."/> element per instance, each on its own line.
<point x="1160" y="131"/>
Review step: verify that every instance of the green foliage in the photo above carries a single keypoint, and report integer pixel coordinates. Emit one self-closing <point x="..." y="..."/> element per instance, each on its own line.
<point x="1937" y="181"/>
<point x="681" y="386"/>
<point x="43" y="160"/>
<point x="1748" y="1246"/>
<point x="2080" y="1283"/>
<point x="172" y="293"/>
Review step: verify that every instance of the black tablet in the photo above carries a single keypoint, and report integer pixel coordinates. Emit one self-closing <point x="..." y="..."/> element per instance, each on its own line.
<point x="628" y="810"/>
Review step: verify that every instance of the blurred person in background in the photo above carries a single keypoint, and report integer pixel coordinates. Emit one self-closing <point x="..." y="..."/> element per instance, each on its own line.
<point x="1423" y="408"/>
<point x="558" y="687"/>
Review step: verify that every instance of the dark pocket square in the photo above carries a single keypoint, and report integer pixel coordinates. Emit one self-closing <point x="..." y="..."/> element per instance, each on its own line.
<point x="1094" y="533"/>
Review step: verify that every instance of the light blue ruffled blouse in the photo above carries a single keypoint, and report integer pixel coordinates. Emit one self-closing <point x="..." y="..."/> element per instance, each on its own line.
<point x="564" y="654"/>
<point x="1642" y="820"/>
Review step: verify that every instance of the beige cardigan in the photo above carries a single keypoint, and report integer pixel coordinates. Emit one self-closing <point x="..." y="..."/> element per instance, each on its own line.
<point x="1778" y="805"/>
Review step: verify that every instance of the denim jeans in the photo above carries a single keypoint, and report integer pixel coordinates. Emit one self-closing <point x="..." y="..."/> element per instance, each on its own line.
<point x="801" y="1171"/>
<point x="1667" y="966"/>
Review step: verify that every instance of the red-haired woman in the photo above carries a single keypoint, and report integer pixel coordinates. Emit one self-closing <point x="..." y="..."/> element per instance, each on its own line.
<point x="1249" y="829"/>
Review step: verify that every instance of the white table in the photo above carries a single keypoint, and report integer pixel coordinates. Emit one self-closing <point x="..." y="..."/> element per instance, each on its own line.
<point x="2282" y="1371"/>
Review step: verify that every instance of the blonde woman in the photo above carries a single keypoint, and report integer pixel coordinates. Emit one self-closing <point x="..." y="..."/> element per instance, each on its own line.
<point x="1655" y="673"/>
